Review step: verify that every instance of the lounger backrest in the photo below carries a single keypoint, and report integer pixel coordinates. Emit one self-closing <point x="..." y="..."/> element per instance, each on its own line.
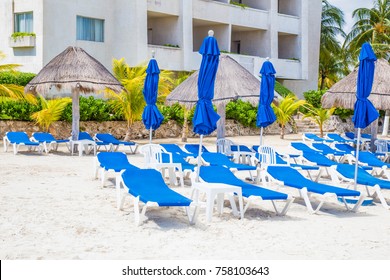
<point x="107" y="158"/>
<point x="149" y="185"/>
<point x="370" y="159"/>
<point x="216" y="158"/>
<point x="17" y="137"/>
<point x="194" y="148"/>
<point x="301" y="146"/>
<point x="318" y="159"/>
<point x="350" y="135"/>
<point x="219" y="174"/>
<point x="344" y="147"/>
<point x="106" y="137"/>
<point x="43" y="137"/>
<point x="85" y="136"/>
<point x="322" y="147"/>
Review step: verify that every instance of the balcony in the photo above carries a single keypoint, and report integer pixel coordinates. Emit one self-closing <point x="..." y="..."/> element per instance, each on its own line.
<point x="22" y="42"/>
<point x="289" y="24"/>
<point x="230" y="14"/>
<point x="169" y="58"/>
<point x="171" y="7"/>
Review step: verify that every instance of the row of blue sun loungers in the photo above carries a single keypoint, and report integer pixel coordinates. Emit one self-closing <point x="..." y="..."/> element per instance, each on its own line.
<point x="44" y="141"/>
<point x="220" y="169"/>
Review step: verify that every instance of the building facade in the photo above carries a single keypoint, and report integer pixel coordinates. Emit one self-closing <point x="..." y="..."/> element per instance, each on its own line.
<point x="286" y="31"/>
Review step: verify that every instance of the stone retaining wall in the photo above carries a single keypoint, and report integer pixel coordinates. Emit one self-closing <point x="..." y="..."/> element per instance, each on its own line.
<point x="171" y="129"/>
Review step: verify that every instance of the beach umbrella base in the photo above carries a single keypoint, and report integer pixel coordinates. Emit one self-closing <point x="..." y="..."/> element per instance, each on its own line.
<point x="353" y="200"/>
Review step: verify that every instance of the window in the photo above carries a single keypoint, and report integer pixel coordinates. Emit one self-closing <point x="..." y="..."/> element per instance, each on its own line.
<point x="90" y="29"/>
<point x="24" y="22"/>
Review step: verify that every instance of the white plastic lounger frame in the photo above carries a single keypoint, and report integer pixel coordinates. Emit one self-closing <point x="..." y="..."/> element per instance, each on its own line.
<point x="16" y="147"/>
<point x="326" y="197"/>
<point x="338" y="178"/>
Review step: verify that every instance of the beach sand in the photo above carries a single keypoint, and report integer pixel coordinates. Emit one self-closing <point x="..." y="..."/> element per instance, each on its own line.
<point x="52" y="208"/>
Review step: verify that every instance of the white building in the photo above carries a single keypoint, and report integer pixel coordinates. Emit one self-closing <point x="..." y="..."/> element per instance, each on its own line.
<point x="287" y="31"/>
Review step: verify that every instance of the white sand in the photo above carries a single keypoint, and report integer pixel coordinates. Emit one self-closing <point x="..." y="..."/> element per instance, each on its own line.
<point x="51" y="208"/>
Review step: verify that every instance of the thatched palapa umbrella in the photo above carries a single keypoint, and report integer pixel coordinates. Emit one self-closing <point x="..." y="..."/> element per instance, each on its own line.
<point x="343" y="93"/>
<point x="70" y="73"/>
<point x="232" y="82"/>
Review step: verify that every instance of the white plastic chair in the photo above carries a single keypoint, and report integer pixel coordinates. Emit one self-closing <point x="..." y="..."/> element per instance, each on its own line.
<point x="153" y="155"/>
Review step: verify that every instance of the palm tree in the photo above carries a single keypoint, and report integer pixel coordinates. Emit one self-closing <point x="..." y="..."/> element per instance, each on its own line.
<point x="51" y="111"/>
<point x="285" y="110"/>
<point x="319" y="116"/>
<point x="330" y="64"/>
<point x="373" y="26"/>
<point x="130" y="102"/>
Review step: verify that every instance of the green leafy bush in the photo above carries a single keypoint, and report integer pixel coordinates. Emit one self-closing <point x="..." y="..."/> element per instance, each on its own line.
<point x="313" y="97"/>
<point x="282" y="90"/>
<point x="92" y="109"/>
<point x="16" y="78"/>
<point x="343" y="113"/>
<point x="17" y="110"/>
<point x="243" y="112"/>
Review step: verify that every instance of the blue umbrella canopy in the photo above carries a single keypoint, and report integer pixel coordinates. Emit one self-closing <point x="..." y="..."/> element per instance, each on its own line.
<point x="265" y="113"/>
<point x="365" y="113"/>
<point x="151" y="116"/>
<point x="205" y="118"/>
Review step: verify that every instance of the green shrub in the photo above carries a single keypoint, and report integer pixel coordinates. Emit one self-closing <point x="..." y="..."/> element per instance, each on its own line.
<point x="343" y="113"/>
<point x="313" y="97"/>
<point x="17" y="110"/>
<point x="16" y="78"/>
<point x="282" y="90"/>
<point x="243" y="112"/>
<point x="92" y="109"/>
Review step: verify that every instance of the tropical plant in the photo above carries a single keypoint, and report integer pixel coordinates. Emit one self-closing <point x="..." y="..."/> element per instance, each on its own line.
<point x="51" y="111"/>
<point x="130" y="102"/>
<point x="284" y="111"/>
<point x="331" y="62"/>
<point x="9" y="91"/>
<point x="319" y="116"/>
<point x="373" y="26"/>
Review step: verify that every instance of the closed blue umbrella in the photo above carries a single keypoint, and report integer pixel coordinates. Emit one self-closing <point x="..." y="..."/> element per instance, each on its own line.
<point x="151" y="116"/>
<point x="205" y="118"/>
<point x="365" y="113"/>
<point x="265" y="113"/>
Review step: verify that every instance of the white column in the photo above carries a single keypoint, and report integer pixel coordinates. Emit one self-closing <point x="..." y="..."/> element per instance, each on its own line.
<point x="186" y="43"/>
<point x="273" y="28"/>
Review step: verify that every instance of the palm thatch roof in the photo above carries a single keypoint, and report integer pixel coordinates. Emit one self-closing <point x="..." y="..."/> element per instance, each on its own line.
<point x="232" y="82"/>
<point x="343" y="93"/>
<point x="73" y="69"/>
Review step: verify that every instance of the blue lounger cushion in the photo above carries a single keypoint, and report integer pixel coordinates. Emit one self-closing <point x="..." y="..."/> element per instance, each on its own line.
<point x="109" y="138"/>
<point x="175" y="149"/>
<point x="20" y="137"/>
<point x="149" y="186"/>
<point x="223" y="160"/>
<point x="292" y="178"/>
<point x="363" y="178"/>
<point x="116" y="161"/>
<point x="219" y="174"/>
